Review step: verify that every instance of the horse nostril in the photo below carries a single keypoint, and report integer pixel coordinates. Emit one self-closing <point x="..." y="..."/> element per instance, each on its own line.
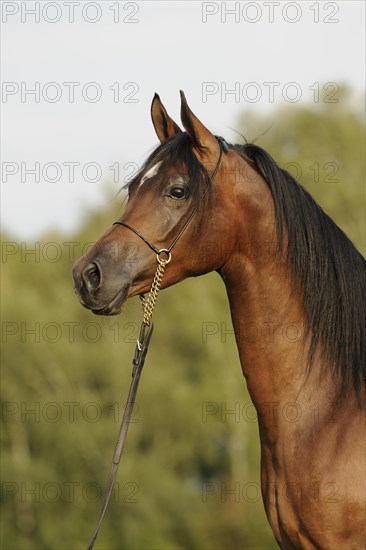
<point x="92" y="276"/>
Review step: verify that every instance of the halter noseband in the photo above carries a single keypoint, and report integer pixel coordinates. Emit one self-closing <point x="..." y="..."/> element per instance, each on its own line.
<point x="223" y="147"/>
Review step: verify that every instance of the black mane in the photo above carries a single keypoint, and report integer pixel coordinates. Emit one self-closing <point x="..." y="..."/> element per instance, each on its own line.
<point x="323" y="262"/>
<point x="327" y="267"/>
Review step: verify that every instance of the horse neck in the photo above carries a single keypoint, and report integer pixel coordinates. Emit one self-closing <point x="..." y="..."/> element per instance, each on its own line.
<point x="269" y="329"/>
<point x="268" y="317"/>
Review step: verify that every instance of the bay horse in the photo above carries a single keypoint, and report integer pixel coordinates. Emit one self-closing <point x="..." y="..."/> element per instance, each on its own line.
<point x="283" y="261"/>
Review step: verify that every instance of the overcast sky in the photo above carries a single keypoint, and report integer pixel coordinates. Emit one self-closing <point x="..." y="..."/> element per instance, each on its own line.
<point x="94" y="67"/>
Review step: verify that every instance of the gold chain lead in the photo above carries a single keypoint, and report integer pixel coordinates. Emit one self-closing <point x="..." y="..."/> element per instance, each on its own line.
<point x="148" y="303"/>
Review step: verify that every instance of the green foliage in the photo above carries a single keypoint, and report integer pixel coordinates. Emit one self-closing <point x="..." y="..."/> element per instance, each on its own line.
<point x="185" y="450"/>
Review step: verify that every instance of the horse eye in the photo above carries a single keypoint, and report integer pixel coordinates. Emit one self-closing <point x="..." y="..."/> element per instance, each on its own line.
<point x="177" y="193"/>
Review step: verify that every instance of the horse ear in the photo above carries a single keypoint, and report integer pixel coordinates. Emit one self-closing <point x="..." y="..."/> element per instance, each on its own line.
<point x="165" y="127"/>
<point x="203" y="140"/>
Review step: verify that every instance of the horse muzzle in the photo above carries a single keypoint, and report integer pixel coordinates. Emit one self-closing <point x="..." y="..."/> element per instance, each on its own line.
<point x="101" y="293"/>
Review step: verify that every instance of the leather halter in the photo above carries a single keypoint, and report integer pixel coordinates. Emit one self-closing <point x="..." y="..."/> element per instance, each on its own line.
<point x="223" y="147"/>
<point x="142" y="346"/>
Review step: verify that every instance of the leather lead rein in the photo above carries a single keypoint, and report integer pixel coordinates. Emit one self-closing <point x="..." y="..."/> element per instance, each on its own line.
<point x="142" y="345"/>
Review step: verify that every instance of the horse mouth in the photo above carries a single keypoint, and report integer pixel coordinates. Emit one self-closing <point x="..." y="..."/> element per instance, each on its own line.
<point x="114" y="307"/>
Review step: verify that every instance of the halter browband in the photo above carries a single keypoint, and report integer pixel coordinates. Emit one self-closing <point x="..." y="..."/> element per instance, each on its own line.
<point x="223" y="147"/>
